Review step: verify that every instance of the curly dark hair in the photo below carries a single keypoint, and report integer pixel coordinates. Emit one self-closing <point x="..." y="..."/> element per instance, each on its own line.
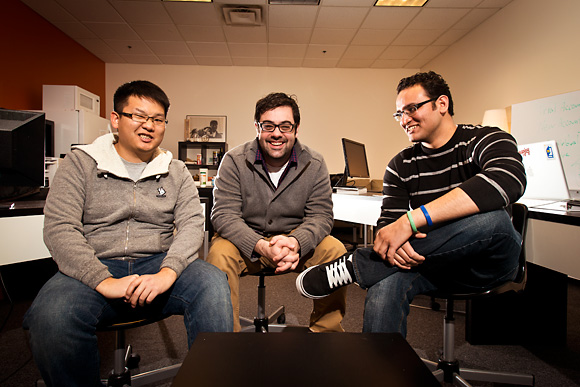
<point x="432" y="83"/>
<point x="140" y="89"/>
<point x="275" y="100"/>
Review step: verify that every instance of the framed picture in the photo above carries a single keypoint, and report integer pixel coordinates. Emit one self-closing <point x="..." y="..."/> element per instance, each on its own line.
<point x="205" y="128"/>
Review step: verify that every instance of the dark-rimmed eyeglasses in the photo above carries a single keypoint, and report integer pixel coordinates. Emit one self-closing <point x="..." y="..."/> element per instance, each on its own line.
<point x="285" y="127"/>
<point x="158" y="122"/>
<point x="410" y="109"/>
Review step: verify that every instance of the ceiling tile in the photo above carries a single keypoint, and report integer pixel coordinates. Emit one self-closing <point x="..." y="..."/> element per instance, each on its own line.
<point x="289" y="35"/>
<point x="346" y="3"/>
<point x="286" y="50"/>
<point x="363" y="52"/>
<point x="97" y="46"/>
<point x="250" y="50"/>
<point x="76" y="30"/>
<point x="50" y="10"/>
<point x="340" y="17"/>
<point x="450" y="37"/>
<point x="157" y="31"/>
<point x="417" y="37"/>
<point x="111" y="58"/>
<point x="332" y="36"/>
<point x="292" y="16"/>
<point x="320" y="62"/>
<point x="127" y="48"/>
<point x="430" y="52"/>
<point x="389" y="63"/>
<point x="355" y="63"/>
<point x="209" y="49"/>
<point x="177" y="60"/>
<point x="113" y="31"/>
<point x="146" y="13"/>
<point x="142" y="59"/>
<point x="436" y="18"/>
<point x="202" y="33"/>
<point x="494" y="3"/>
<point x="194" y="14"/>
<point x="285" y="62"/>
<point x="213" y="61"/>
<point x="324" y="51"/>
<point x="259" y="62"/>
<point x="169" y="48"/>
<point x="401" y="52"/>
<point x="474" y="18"/>
<point x="452" y="3"/>
<point x="246" y="34"/>
<point x="374" y="37"/>
<point x="92" y="10"/>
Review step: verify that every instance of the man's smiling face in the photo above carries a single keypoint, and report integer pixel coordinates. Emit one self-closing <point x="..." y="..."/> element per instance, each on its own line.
<point x="276" y="146"/>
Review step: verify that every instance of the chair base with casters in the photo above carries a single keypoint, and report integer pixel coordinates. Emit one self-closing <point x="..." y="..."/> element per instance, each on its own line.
<point x="262" y="323"/>
<point x="125" y="360"/>
<point x="447" y="368"/>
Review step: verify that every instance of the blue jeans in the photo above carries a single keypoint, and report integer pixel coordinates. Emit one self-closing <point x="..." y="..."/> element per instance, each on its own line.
<point x="66" y="313"/>
<point x="466" y="255"/>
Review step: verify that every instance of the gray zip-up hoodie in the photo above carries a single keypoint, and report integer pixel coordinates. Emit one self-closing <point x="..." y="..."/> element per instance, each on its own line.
<point x="95" y="211"/>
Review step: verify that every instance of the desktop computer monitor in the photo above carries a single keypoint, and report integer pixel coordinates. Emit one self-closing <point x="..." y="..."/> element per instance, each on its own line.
<point x="355" y="159"/>
<point x="21" y="153"/>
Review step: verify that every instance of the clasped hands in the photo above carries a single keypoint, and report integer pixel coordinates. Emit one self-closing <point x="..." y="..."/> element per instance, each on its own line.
<point x="392" y="244"/>
<point x="282" y="250"/>
<point x="138" y="289"/>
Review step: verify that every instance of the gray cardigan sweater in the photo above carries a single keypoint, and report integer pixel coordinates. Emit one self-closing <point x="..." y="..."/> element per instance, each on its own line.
<point x="94" y="211"/>
<point x="247" y="206"/>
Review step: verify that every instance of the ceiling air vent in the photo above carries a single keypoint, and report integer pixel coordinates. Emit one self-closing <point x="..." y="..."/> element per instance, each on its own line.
<point x="243" y="15"/>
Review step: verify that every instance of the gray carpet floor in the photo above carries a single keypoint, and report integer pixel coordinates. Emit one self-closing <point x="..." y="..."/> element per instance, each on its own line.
<point x="164" y="343"/>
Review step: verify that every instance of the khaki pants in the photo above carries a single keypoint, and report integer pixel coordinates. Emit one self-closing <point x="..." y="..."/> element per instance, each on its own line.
<point x="327" y="313"/>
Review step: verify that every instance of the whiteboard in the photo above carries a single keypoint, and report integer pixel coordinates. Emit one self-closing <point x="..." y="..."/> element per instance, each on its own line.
<point x="552" y="118"/>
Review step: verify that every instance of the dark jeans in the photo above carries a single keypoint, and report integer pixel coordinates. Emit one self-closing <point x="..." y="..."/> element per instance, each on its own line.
<point x="64" y="316"/>
<point x="466" y="255"/>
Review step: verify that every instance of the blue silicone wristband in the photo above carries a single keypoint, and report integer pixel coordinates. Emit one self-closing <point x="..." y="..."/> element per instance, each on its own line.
<point x="427" y="216"/>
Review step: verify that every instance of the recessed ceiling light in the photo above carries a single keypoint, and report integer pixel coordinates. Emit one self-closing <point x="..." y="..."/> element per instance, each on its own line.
<point x="295" y="2"/>
<point x="400" y="3"/>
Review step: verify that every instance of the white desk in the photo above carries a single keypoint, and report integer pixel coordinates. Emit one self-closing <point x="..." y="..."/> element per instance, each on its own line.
<point x="363" y="209"/>
<point x="21" y="236"/>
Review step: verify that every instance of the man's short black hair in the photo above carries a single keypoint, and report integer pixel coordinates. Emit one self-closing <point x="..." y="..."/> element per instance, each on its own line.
<point x="432" y="83"/>
<point x="275" y="100"/>
<point x="140" y="89"/>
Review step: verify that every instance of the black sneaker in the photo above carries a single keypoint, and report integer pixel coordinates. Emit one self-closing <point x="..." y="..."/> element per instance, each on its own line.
<point x="321" y="280"/>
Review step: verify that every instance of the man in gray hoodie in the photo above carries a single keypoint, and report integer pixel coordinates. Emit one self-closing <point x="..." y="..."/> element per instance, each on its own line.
<point x="273" y="208"/>
<point x="123" y="222"/>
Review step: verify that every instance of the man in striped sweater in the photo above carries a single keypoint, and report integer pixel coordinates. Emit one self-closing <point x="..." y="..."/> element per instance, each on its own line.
<point x="443" y="222"/>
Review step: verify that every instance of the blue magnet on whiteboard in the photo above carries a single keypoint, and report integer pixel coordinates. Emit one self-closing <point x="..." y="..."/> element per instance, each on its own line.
<point x="549" y="152"/>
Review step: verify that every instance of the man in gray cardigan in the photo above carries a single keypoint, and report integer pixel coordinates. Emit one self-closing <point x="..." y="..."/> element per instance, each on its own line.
<point x="273" y="208"/>
<point x="124" y="223"/>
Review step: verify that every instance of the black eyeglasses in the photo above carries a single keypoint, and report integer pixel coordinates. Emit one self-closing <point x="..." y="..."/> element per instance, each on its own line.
<point x="158" y="122"/>
<point x="285" y="127"/>
<point x="411" y="109"/>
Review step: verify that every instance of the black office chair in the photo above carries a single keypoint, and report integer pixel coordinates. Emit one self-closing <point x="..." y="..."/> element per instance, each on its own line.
<point x="447" y="368"/>
<point x="125" y="360"/>
<point x="262" y="323"/>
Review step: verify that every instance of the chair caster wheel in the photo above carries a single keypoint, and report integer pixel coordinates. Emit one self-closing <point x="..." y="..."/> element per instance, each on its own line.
<point x="281" y="319"/>
<point x="133" y="361"/>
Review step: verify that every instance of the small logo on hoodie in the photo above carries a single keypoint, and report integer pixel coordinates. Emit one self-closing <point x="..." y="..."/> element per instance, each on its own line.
<point x="161" y="192"/>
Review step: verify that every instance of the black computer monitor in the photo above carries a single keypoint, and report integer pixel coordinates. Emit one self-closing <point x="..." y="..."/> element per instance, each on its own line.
<point x="21" y="153"/>
<point x="355" y="159"/>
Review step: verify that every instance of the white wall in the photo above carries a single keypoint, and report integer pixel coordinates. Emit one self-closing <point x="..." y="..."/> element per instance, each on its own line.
<point x="526" y="51"/>
<point x="334" y="103"/>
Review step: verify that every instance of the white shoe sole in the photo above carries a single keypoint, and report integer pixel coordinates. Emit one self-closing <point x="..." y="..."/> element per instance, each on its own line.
<point x="301" y="290"/>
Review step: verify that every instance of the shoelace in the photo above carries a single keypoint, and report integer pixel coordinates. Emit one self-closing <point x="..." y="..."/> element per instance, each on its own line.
<point x="337" y="274"/>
